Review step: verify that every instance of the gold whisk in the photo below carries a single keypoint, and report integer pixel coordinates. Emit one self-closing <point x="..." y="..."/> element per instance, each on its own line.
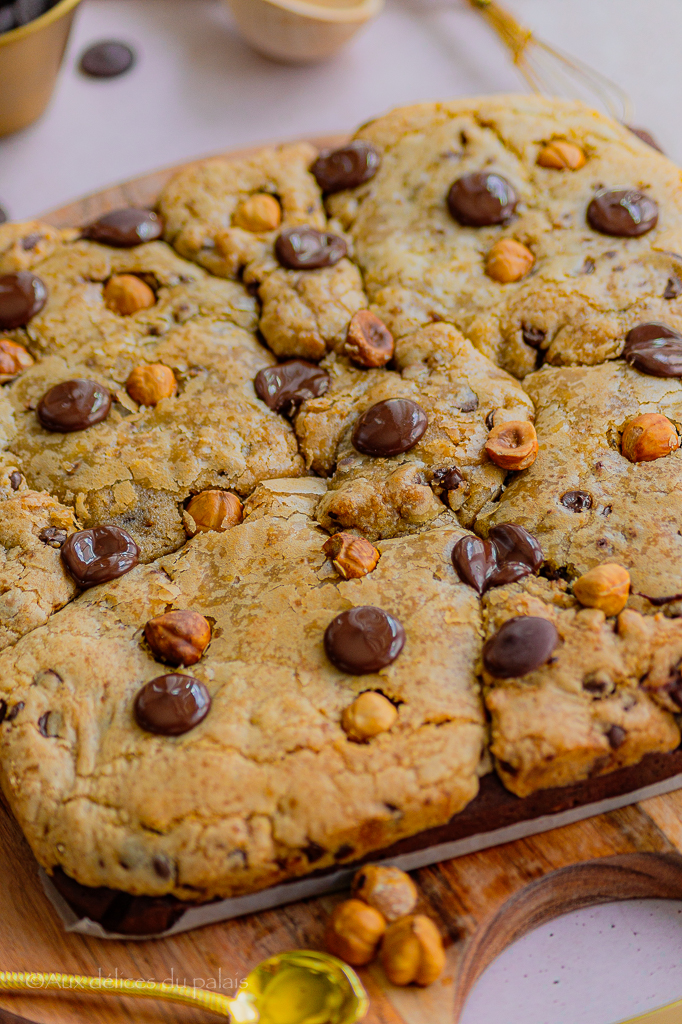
<point x="550" y="71"/>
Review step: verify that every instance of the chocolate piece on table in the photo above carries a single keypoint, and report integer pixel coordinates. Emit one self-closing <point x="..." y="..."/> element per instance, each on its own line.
<point x="347" y="167"/>
<point x="73" y="405"/>
<point x="107" y="59"/>
<point x="655" y="349"/>
<point x="22" y="295"/>
<point x="509" y="554"/>
<point x="98" y="555"/>
<point x="363" y="640"/>
<point x="125" y="228"/>
<point x="171" y="705"/>
<point x="645" y="136"/>
<point x="481" y="198"/>
<point x="576" y="501"/>
<point x="390" y="427"/>
<point x="521" y="645"/>
<point x="305" y="248"/>
<point x="622" y="212"/>
<point x="285" y="386"/>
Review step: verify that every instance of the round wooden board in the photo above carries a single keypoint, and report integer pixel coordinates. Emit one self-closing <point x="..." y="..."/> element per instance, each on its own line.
<point x="466" y="897"/>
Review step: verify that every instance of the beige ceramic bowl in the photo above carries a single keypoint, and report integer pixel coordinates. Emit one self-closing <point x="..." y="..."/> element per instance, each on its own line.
<point x="30" y="57"/>
<point x="301" y="30"/>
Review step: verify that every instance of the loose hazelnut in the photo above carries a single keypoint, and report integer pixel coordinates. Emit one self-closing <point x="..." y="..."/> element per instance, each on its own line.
<point x="561" y="155"/>
<point x="147" y="385"/>
<point x="412" y="951"/>
<point x="126" y="294"/>
<point x="215" y="510"/>
<point x="354" y="931"/>
<point x="180" y="638"/>
<point x="351" y="556"/>
<point x="369" y="714"/>
<point x="260" y="212"/>
<point x="508" y="261"/>
<point x="512" y="445"/>
<point x="388" y="890"/>
<point x="649" y="437"/>
<point x="368" y="342"/>
<point x="605" y="587"/>
<point x="13" y="359"/>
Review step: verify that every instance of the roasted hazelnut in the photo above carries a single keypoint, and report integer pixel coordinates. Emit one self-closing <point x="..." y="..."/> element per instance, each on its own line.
<point x="147" y="385"/>
<point x="260" y="212"/>
<point x="389" y="890"/>
<point x="512" y="445"/>
<point x="351" y="556"/>
<point x="370" y="714"/>
<point x="126" y="294"/>
<point x="649" y="437"/>
<point x="508" y="261"/>
<point x="369" y="342"/>
<point x="13" y="359"/>
<point x="354" y="931"/>
<point x="561" y="155"/>
<point x="412" y="951"/>
<point x="605" y="587"/>
<point x="180" y="638"/>
<point x="214" y="510"/>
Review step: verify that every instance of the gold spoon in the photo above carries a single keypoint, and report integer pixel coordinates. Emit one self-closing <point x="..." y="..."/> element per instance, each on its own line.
<point x="303" y="987"/>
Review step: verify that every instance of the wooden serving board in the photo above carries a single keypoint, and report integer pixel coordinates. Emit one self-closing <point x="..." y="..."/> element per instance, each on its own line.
<point x="458" y="894"/>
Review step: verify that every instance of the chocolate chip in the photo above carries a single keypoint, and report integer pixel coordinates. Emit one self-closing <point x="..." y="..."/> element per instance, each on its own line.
<point x="390" y="427"/>
<point x="645" y="136"/>
<point x="363" y="640"/>
<point x="107" y="59"/>
<point x="481" y="198"/>
<point x="53" y="536"/>
<point x="598" y="684"/>
<point x="347" y="167"/>
<point x="673" y="288"/>
<point x="171" y="705"/>
<point x="42" y="723"/>
<point x="448" y="479"/>
<point x="625" y="212"/>
<point x="509" y="553"/>
<point x="125" y="228"/>
<point x="285" y="386"/>
<point x="533" y="336"/>
<point x="466" y="400"/>
<point x="15" y="480"/>
<point x="73" y="405"/>
<point x="13" y="712"/>
<point x="3" y="710"/>
<point x="313" y="852"/>
<point x="521" y="645"/>
<point x="308" y="248"/>
<point x="29" y="242"/>
<point x="98" y="555"/>
<point x="576" y="501"/>
<point x="344" y="851"/>
<point x="490" y="419"/>
<point x="616" y="736"/>
<point x="162" y="867"/>
<point x="22" y="295"/>
<point x="655" y="349"/>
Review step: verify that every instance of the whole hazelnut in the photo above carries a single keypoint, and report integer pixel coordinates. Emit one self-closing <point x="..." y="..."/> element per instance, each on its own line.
<point x="147" y="385"/>
<point x="512" y="445"/>
<point x="508" y="260"/>
<point x="180" y="638"/>
<point x="561" y="155"/>
<point x="605" y="587"/>
<point x="369" y="342"/>
<point x="369" y="715"/>
<point x="214" y="510"/>
<point x="389" y="890"/>
<point x="126" y="294"/>
<point x="351" y="556"/>
<point x="354" y="931"/>
<point x="412" y="951"/>
<point x="13" y="359"/>
<point x="260" y="212"/>
<point x="649" y="437"/>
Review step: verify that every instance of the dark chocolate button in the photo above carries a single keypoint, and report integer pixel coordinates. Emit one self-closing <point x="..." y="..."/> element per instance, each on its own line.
<point x="616" y="736"/>
<point x="645" y="136"/>
<point x="308" y="248"/>
<point x="22" y="295"/>
<point x="475" y="561"/>
<point x="625" y="212"/>
<point x="481" y="198"/>
<point x="15" y="480"/>
<point x="125" y="228"/>
<point x="390" y="428"/>
<point x="347" y="167"/>
<point x="576" y="501"/>
<point x="448" y="479"/>
<point x="509" y="553"/>
<point x="285" y="386"/>
<point x="171" y="705"/>
<point x="363" y="640"/>
<point x="98" y="555"/>
<point x="521" y="645"/>
<point x="533" y="336"/>
<point x="107" y="59"/>
<point x="654" y="349"/>
<point x="74" y="405"/>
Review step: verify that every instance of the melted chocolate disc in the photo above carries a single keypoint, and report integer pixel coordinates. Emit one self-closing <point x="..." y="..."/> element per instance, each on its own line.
<point x="521" y="645"/>
<point x="307" y="248"/>
<point x="347" y="167"/>
<point x="98" y="555"/>
<point x="509" y="553"/>
<point x="285" y="386"/>
<point x="73" y="405"/>
<point x="22" y="295"/>
<point x="125" y="228"/>
<point x="363" y="640"/>
<point x="390" y="428"/>
<point x="107" y="59"/>
<point x="645" y="136"/>
<point x="654" y="349"/>
<point x="171" y="705"/>
<point x="624" y="212"/>
<point x="481" y="198"/>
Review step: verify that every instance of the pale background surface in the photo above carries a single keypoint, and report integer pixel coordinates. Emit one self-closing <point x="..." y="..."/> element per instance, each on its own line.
<point x="197" y="89"/>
